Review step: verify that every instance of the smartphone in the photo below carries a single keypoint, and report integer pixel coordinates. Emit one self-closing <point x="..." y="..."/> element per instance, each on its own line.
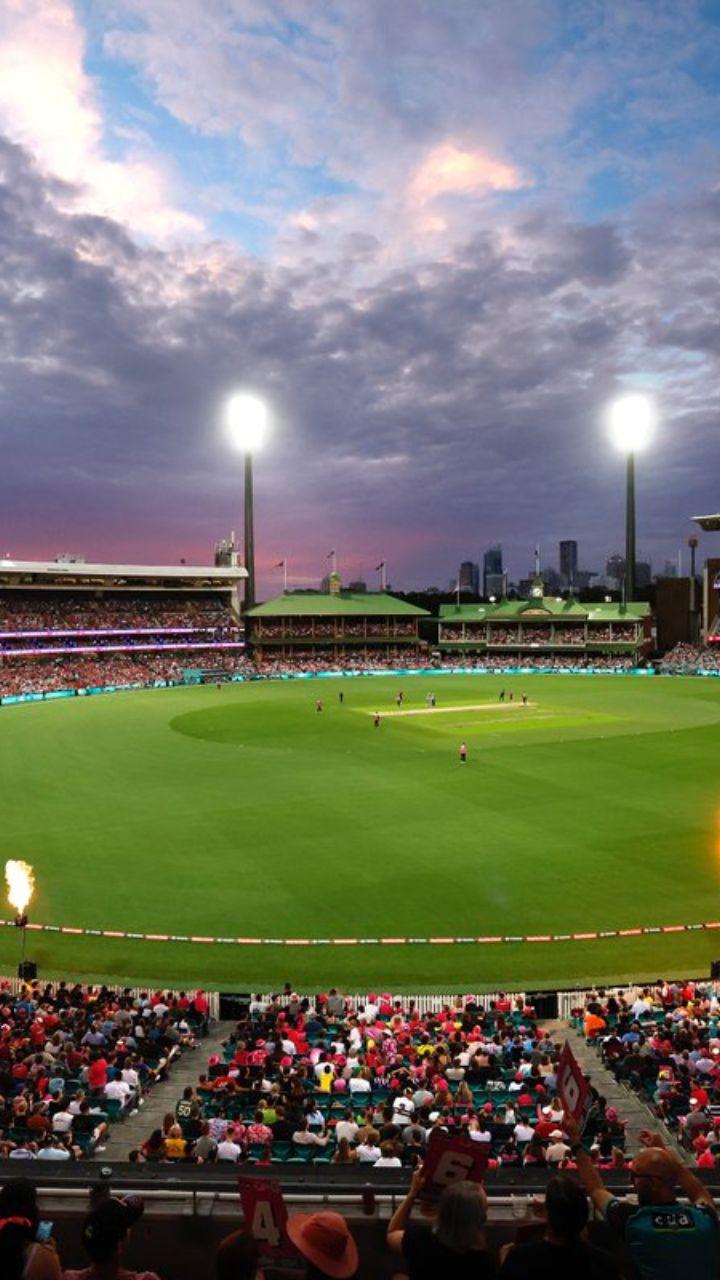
<point x="44" y="1232"/>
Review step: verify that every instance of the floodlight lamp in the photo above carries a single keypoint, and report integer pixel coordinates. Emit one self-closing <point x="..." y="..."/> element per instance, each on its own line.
<point x="247" y="417"/>
<point x="631" y="420"/>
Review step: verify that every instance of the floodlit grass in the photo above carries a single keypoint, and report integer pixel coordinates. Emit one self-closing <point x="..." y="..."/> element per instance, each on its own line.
<point x="244" y="812"/>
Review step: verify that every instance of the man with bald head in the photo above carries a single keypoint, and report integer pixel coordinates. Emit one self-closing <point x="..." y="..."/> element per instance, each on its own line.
<point x="664" y="1236"/>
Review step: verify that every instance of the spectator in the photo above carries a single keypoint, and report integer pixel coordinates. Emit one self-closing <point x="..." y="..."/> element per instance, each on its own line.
<point x="302" y="1137"/>
<point x="324" y="1240"/>
<point x="229" y="1151"/>
<point x="345" y="1153"/>
<point x="455" y="1246"/>
<point x="664" y="1236"/>
<point x="368" y="1152"/>
<point x="237" y="1257"/>
<point x="104" y="1235"/>
<point x="563" y="1253"/>
<point x="388" y="1159"/>
<point x="153" y="1149"/>
<point x="22" y="1257"/>
<point x="175" y="1144"/>
<point x="346" y="1128"/>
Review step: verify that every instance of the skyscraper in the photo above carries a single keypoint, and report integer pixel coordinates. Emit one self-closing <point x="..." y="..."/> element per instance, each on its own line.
<point x="493" y="571"/>
<point x="569" y="562"/>
<point x="615" y="571"/>
<point x="469" y="577"/>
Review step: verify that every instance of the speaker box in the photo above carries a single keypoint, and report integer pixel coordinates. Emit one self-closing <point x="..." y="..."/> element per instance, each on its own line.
<point x="545" y="1004"/>
<point x="715" y="970"/>
<point x="27" y="970"/>
<point x="234" y="1005"/>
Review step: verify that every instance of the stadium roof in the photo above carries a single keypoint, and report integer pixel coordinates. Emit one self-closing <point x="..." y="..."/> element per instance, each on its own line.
<point x="305" y="604"/>
<point x="80" y="569"/>
<point x="711" y="524"/>
<point x="548" y="608"/>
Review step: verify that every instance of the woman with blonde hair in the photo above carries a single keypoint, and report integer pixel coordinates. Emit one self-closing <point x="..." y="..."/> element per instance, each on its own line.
<point x="456" y="1245"/>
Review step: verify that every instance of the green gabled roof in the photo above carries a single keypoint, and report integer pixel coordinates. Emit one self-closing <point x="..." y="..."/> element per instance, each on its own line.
<point x="314" y="604"/>
<point x="549" y="607"/>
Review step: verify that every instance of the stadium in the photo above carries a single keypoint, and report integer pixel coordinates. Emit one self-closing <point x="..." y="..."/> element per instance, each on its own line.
<point x="359" y="909"/>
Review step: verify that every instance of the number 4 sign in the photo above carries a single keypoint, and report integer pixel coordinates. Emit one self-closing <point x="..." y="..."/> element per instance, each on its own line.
<point x="266" y="1219"/>
<point x="572" y="1086"/>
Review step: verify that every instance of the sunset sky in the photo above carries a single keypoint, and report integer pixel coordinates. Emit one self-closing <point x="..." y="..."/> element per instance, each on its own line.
<point x="437" y="235"/>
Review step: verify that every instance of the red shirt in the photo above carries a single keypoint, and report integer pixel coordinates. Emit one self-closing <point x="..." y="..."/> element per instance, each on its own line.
<point x="97" y="1074"/>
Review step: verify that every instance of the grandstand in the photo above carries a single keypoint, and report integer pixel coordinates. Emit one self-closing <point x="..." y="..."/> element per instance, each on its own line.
<point x="338" y="1097"/>
<point x="73" y="625"/>
<point x="547" y="628"/>
<point x="337" y="628"/>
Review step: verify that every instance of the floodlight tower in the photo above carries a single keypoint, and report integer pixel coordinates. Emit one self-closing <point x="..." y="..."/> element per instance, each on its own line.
<point x="246" y="417"/>
<point x="631" y="419"/>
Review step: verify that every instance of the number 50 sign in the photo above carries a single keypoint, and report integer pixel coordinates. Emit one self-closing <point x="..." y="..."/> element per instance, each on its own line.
<point x="452" y="1158"/>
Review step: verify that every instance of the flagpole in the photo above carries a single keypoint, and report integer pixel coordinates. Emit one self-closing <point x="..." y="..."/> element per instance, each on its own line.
<point x="285" y="576"/>
<point x="383" y="577"/>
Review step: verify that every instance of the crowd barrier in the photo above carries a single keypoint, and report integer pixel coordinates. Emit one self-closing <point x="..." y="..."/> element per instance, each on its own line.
<point x="13" y="699"/>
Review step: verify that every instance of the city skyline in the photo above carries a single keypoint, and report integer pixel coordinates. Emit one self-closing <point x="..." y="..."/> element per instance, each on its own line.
<point x="438" y="240"/>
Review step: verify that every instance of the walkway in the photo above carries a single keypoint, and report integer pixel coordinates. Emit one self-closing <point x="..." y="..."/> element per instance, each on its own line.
<point x="627" y="1103"/>
<point x="127" y="1135"/>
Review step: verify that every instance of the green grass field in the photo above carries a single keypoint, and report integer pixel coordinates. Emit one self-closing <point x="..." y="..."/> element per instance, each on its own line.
<point x="243" y="812"/>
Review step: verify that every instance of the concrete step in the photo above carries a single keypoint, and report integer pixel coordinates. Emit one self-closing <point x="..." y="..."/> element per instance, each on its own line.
<point x="628" y="1104"/>
<point x="129" y="1134"/>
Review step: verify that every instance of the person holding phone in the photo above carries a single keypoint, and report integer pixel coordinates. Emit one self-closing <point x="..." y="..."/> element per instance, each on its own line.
<point x="27" y="1249"/>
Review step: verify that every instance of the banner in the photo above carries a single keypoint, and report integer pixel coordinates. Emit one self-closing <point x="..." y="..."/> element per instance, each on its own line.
<point x="572" y="1086"/>
<point x="452" y="1158"/>
<point x="265" y="1216"/>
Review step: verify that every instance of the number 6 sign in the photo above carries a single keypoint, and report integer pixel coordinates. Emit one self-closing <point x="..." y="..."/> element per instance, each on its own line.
<point x="450" y="1159"/>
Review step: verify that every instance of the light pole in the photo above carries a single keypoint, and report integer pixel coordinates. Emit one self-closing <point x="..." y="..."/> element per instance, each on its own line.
<point x="693" y="543"/>
<point x="247" y="424"/>
<point x="631" y="419"/>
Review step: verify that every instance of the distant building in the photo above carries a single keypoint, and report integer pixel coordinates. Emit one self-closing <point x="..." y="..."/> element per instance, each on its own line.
<point x="469" y="577"/>
<point x="670" y="570"/>
<point x="643" y="573"/>
<point x="493" y="571"/>
<point x="569" y="563"/>
<point x="358" y="586"/>
<point x="615" y="572"/>
<point x="226" y="555"/>
<point x="552" y="579"/>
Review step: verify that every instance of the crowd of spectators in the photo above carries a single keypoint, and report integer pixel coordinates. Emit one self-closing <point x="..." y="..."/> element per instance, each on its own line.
<point x="67" y="612"/>
<point x="541" y="662"/>
<point x="689" y="659"/>
<point x="74" y="1058"/>
<point x="328" y="628"/>
<point x="664" y="1042"/>
<point x="166" y="665"/>
<point x="43" y="675"/>
<point x="371" y="1083"/>
<point x="312" y="661"/>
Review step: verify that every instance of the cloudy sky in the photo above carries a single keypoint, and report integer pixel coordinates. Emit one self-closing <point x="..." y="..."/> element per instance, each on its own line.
<point x="437" y="235"/>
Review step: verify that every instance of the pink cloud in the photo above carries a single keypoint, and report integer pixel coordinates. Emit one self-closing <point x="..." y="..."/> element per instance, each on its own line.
<point x="450" y="170"/>
<point x="49" y="104"/>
